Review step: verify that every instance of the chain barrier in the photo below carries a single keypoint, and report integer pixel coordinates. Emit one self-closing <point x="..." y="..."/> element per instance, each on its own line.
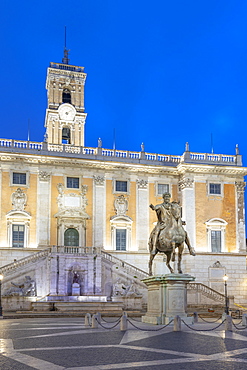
<point x="149" y="329"/>
<point x="209" y="322"/>
<point x="106" y="327"/>
<point x="237" y="323"/>
<point x="235" y="326"/>
<point x="202" y="329"/>
<point x="110" y="322"/>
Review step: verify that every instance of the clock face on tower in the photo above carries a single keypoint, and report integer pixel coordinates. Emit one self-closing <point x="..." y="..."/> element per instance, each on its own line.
<point x="66" y="112"/>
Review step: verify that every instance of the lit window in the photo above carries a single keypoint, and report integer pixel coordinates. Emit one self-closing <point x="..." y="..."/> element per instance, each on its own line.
<point x="73" y="182"/>
<point x="216" y="229"/>
<point x="121" y="186"/>
<point x="19" y="178"/>
<point x="163" y="188"/>
<point x="216" y="240"/>
<point x="121" y="239"/>
<point x="215" y="189"/>
<point x="18" y="236"/>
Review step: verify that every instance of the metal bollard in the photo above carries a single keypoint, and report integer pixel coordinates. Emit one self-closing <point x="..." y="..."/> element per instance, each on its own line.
<point x="244" y="319"/>
<point x="94" y="322"/>
<point x="98" y="314"/>
<point x="177" y="323"/>
<point x="88" y="319"/>
<point x="124" y="322"/>
<point x="228" y="323"/>
<point x="195" y="317"/>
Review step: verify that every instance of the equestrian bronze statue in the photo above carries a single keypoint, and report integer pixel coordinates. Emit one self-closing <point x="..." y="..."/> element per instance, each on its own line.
<point x="168" y="234"/>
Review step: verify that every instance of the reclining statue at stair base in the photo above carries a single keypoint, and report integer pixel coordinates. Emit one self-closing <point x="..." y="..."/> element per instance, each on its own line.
<point x="26" y="289"/>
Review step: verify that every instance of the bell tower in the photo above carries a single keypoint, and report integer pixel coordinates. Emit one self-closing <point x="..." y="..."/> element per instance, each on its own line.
<point x="65" y="117"/>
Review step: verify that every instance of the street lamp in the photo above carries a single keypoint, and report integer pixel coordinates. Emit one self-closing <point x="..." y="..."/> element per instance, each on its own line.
<point x="225" y="278"/>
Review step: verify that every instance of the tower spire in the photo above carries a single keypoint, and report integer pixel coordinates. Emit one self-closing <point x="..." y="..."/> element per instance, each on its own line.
<point x="65" y="59"/>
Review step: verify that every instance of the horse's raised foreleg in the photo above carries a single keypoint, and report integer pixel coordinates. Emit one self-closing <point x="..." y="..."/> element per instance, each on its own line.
<point x="180" y="253"/>
<point x="151" y="258"/>
<point x="168" y="259"/>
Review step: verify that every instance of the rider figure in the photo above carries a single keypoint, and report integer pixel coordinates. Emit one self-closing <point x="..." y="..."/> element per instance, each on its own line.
<point x="163" y="210"/>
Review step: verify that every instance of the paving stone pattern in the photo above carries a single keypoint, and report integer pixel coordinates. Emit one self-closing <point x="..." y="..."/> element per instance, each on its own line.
<point x="66" y="343"/>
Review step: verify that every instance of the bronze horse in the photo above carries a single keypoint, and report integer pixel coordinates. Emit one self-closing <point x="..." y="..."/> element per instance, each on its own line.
<point x="172" y="236"/>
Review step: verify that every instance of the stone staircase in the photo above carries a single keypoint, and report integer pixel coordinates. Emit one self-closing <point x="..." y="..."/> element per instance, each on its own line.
<point x="205" y="300"/>
<point x="46" y="302"/>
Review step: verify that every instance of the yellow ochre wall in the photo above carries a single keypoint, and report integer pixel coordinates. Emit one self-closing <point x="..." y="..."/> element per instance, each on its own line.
<point x="208" y="207"/>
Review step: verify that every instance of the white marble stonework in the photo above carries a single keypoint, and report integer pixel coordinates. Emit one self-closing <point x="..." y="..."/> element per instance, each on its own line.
<point x="188" y="208"/>
<point x="99" y="210"/>
<point x="142" y="213"/>
<point x="76" y="289"/>
<point x="43" y="209"/>
<point x="167" y="297"/>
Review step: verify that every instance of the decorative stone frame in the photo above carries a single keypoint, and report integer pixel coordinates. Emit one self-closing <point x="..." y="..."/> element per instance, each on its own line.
<point x="216" y="224"/>
<point x="221" y="183"/>
<point x="18" y="218"/>
<point x="121" y="222"/>
<point x="19" y="185"/>
<point x="114" y="191"/>
<point x="157" y="194"/>
<point x="77" y="223"/>
<point x="72" y="189"/>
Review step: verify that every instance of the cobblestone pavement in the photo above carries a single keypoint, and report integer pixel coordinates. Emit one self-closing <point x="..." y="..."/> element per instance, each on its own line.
<point x="66" y="343"/>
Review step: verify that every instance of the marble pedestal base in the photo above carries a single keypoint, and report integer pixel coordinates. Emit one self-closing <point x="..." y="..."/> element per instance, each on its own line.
<point x="76" y="289"/>
<point x="167" y="297"/>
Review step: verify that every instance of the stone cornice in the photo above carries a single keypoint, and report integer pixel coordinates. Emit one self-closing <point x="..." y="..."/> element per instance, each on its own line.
<point x="131" y="167"/>
<point x="93" y="164"/>
<point x="211" y="169"/>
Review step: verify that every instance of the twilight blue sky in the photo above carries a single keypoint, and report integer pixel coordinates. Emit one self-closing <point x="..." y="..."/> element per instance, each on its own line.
<point x="162" y="72"/>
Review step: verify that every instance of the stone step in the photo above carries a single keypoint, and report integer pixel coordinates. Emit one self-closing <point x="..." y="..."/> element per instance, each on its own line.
<point x="82" y="307"/>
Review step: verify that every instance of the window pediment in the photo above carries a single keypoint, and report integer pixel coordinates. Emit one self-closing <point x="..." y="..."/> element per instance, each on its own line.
<point x="15" y="214"/>
<point x="216" y="222"/>
<point x="122" y="218"/>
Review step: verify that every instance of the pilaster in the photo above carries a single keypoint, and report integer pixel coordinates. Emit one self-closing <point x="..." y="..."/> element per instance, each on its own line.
<point x="142" y="214"/>
<point x="43" y="209"/>
<point x="99" y="211"/>
<point x="187" y="188"/>
<point x="240" y="216"/>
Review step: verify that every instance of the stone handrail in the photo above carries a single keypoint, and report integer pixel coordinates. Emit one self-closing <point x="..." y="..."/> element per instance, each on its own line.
<point x="13" y="266"/>
<point x="120" y="155"/>
<point x="132" y="270"/>
<point x="75" y="250"/>
<point x="213" y="157"/>
<point x="207" y="291"/>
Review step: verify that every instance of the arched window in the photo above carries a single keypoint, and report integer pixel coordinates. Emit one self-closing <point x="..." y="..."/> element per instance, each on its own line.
<point x="71" y="238"/>
<point x="66" y="96"/>
<point x="121" y="232"/>
<point x="216" y="235"/>
<point x="66" y="135"/>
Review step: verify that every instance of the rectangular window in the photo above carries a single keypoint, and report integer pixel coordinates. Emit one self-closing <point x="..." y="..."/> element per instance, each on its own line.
<point x="73" y="182"/>
<point x="19" y="178"/>
<point x="121" y="239"/>
<point x="215" y="189"/>
<point x="18" y="236"/>
<point x="163" y="188"/>
<point x="216" y="240"/>
<point x="121" y="186"/>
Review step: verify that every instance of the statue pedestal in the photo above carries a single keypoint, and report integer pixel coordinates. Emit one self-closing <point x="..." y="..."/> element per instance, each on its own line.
<point x="75" y="289"/>
<point x="167" y="297"/>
